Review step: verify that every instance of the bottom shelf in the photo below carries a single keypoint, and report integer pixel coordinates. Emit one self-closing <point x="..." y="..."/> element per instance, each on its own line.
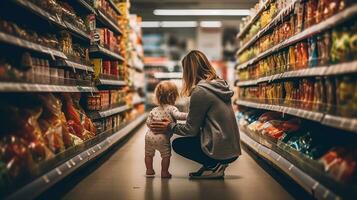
<point x="311" y="185"/>
<point x="42" y="183"/>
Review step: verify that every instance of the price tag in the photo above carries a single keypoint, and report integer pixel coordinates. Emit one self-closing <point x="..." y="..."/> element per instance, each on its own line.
<point x="80" y="157"/>
<point x="278" y="158"/>
<point x="72" y="162"/>
<point x="88" y="153"/>
<point x="315" y="185"/>
<point x="58" y="171"/>
<point x="68" y="165"/>
<point x="46" y="179"/>
<point x="291" y="167"/>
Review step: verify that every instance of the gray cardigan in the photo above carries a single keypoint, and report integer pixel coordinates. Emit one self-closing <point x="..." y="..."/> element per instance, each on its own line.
<point x="211" y="116"/>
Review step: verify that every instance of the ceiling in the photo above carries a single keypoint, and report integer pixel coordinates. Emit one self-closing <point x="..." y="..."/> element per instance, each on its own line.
<point x="145" y="8"/>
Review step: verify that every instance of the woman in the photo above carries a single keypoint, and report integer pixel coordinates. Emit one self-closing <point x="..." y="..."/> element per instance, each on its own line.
<point x="211" y="129"/>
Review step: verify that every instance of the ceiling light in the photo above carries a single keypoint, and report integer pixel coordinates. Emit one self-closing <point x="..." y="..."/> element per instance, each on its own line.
<point x="211" y="24"/>
<point x="202" y="12"/>
<point x="178" y="24"/>
<point x="150" y="24"/>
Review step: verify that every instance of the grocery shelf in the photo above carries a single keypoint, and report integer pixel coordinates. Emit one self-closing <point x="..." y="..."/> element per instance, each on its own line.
<point x="278" y="18"/>
<point x="40" y="12"/>
<point x="314" y="71"/>
<point x="253" y="19"/>
<point x="68" y="166"/>
<point x="105" y="52"/>
<point x="29" y="87"/>
<point x="114" y="6"/>
<point x="108" y="112"/>
<point x="336" y="69"/>
<point x="306" y="114"/>
<point x="111" y="82"/>
<point x="108" y="22"/>
<point x="71" y="64"/>
<point x="348" y="124"/>
<point x="333" y="21"/>
<point x="311" y="185"/>
<point x="52" y="18"/>
<point x="343" y="123"/>
<point x="13" y="40"/>
<point x="139" y="101"/>
<point x="168" y="75"/>
<point x="77" y="31"/>
<point x="86" y="6"/>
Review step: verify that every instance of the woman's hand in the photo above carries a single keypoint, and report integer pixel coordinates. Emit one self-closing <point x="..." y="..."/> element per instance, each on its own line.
<point x="160" y="127"/>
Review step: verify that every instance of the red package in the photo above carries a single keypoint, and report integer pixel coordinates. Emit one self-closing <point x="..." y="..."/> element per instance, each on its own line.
<point x="106" y="67"/>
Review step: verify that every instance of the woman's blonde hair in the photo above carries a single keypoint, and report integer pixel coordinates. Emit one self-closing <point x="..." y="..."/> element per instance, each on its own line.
<point x="196" y="67"/>
<point x="166" y="93"/>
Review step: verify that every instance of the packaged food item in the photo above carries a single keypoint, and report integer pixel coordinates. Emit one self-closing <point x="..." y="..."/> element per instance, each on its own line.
<point x="313" y="52"/>
<point x="340" y="163"/>
<point x="344" y="96"/>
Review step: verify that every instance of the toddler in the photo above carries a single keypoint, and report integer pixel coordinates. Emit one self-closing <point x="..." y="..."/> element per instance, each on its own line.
<point x="166" y="94"/>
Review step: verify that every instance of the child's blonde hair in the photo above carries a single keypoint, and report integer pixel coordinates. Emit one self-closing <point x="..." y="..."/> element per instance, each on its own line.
<point x="166" y="93"/>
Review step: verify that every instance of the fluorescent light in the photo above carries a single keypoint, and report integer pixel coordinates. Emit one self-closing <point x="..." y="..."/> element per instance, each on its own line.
<point x="202" y="12"/>
<point x="211" y="24"/>
<point x="168" y="75"/>
<point x="169" y="24"/>
<point x="178" y="24"/>
<point x="150" y="24"/>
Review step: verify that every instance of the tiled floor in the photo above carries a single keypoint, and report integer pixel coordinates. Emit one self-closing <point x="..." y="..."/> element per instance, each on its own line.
<point x="122" y="177"/>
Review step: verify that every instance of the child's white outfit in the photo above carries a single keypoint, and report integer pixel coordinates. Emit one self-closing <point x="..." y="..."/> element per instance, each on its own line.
<point x="161" y="142"/>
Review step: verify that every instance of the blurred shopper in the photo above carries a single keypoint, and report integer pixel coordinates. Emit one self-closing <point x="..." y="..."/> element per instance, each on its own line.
<point x="212" y="136"/>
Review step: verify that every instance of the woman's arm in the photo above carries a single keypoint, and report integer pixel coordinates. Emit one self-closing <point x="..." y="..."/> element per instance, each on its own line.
<point x="149" y="120"/>
<point x="199" y="106"/>
<point x="177" y="115"/>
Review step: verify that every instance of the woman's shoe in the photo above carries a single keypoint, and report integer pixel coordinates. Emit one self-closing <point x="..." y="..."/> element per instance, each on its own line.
<point x="215" y="172"/>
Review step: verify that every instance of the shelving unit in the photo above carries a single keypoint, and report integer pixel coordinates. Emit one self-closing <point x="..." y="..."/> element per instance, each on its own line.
<point x="333" y="21"/>
<point x="108" y="112"/>
<point x="108" y="22"/>
<point x="60" y="23"/>
<point x="348" y="124"/>
<point x="278" y="18"/>
<point x="253" y="19"/>
<point x="79" y="75"/>
<point x="28" y="87"/>
<point x="80" y="158"/>
<point x="97" y="49"/>
<point x="308" y="173"/>
<point x="331" y="70"/>
<point x="73" y="65"/>
<point x="21" y="43"/>
<point x="111" y="82"/>
<point x="311" y="185"/>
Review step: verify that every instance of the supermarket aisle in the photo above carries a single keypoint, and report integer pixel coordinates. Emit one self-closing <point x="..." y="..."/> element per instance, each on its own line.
<point x="122" y="177"/>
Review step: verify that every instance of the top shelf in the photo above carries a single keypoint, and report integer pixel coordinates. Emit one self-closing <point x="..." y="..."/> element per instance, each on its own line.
<point x="253" y="19"/>
<point x="108" y="22"/>
<point x="114" y="6"/>
<point x="278" y="18"/>
<point x="315" y="29"/>
<point x="85" y="5"/>
<point x="55" y="19"/>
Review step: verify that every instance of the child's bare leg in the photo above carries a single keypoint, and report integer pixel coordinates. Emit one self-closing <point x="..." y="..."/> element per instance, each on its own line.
<point x="149" y="165"/>
<point x="165" y="164"/>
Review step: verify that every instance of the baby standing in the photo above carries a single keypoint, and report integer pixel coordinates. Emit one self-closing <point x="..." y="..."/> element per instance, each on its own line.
<point x="166" y="94"/>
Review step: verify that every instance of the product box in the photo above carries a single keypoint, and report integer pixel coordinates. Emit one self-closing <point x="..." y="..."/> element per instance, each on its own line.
<point x="97" y="63"/>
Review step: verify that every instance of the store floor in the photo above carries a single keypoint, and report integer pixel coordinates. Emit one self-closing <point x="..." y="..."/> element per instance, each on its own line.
<point x="121" y="176"/>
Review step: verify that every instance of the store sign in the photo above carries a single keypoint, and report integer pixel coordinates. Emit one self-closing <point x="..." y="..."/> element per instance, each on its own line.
<point x="209" y="41"/>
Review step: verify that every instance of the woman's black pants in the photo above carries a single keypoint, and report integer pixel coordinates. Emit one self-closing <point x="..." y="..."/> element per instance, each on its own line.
<point x="190" y="148"/>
